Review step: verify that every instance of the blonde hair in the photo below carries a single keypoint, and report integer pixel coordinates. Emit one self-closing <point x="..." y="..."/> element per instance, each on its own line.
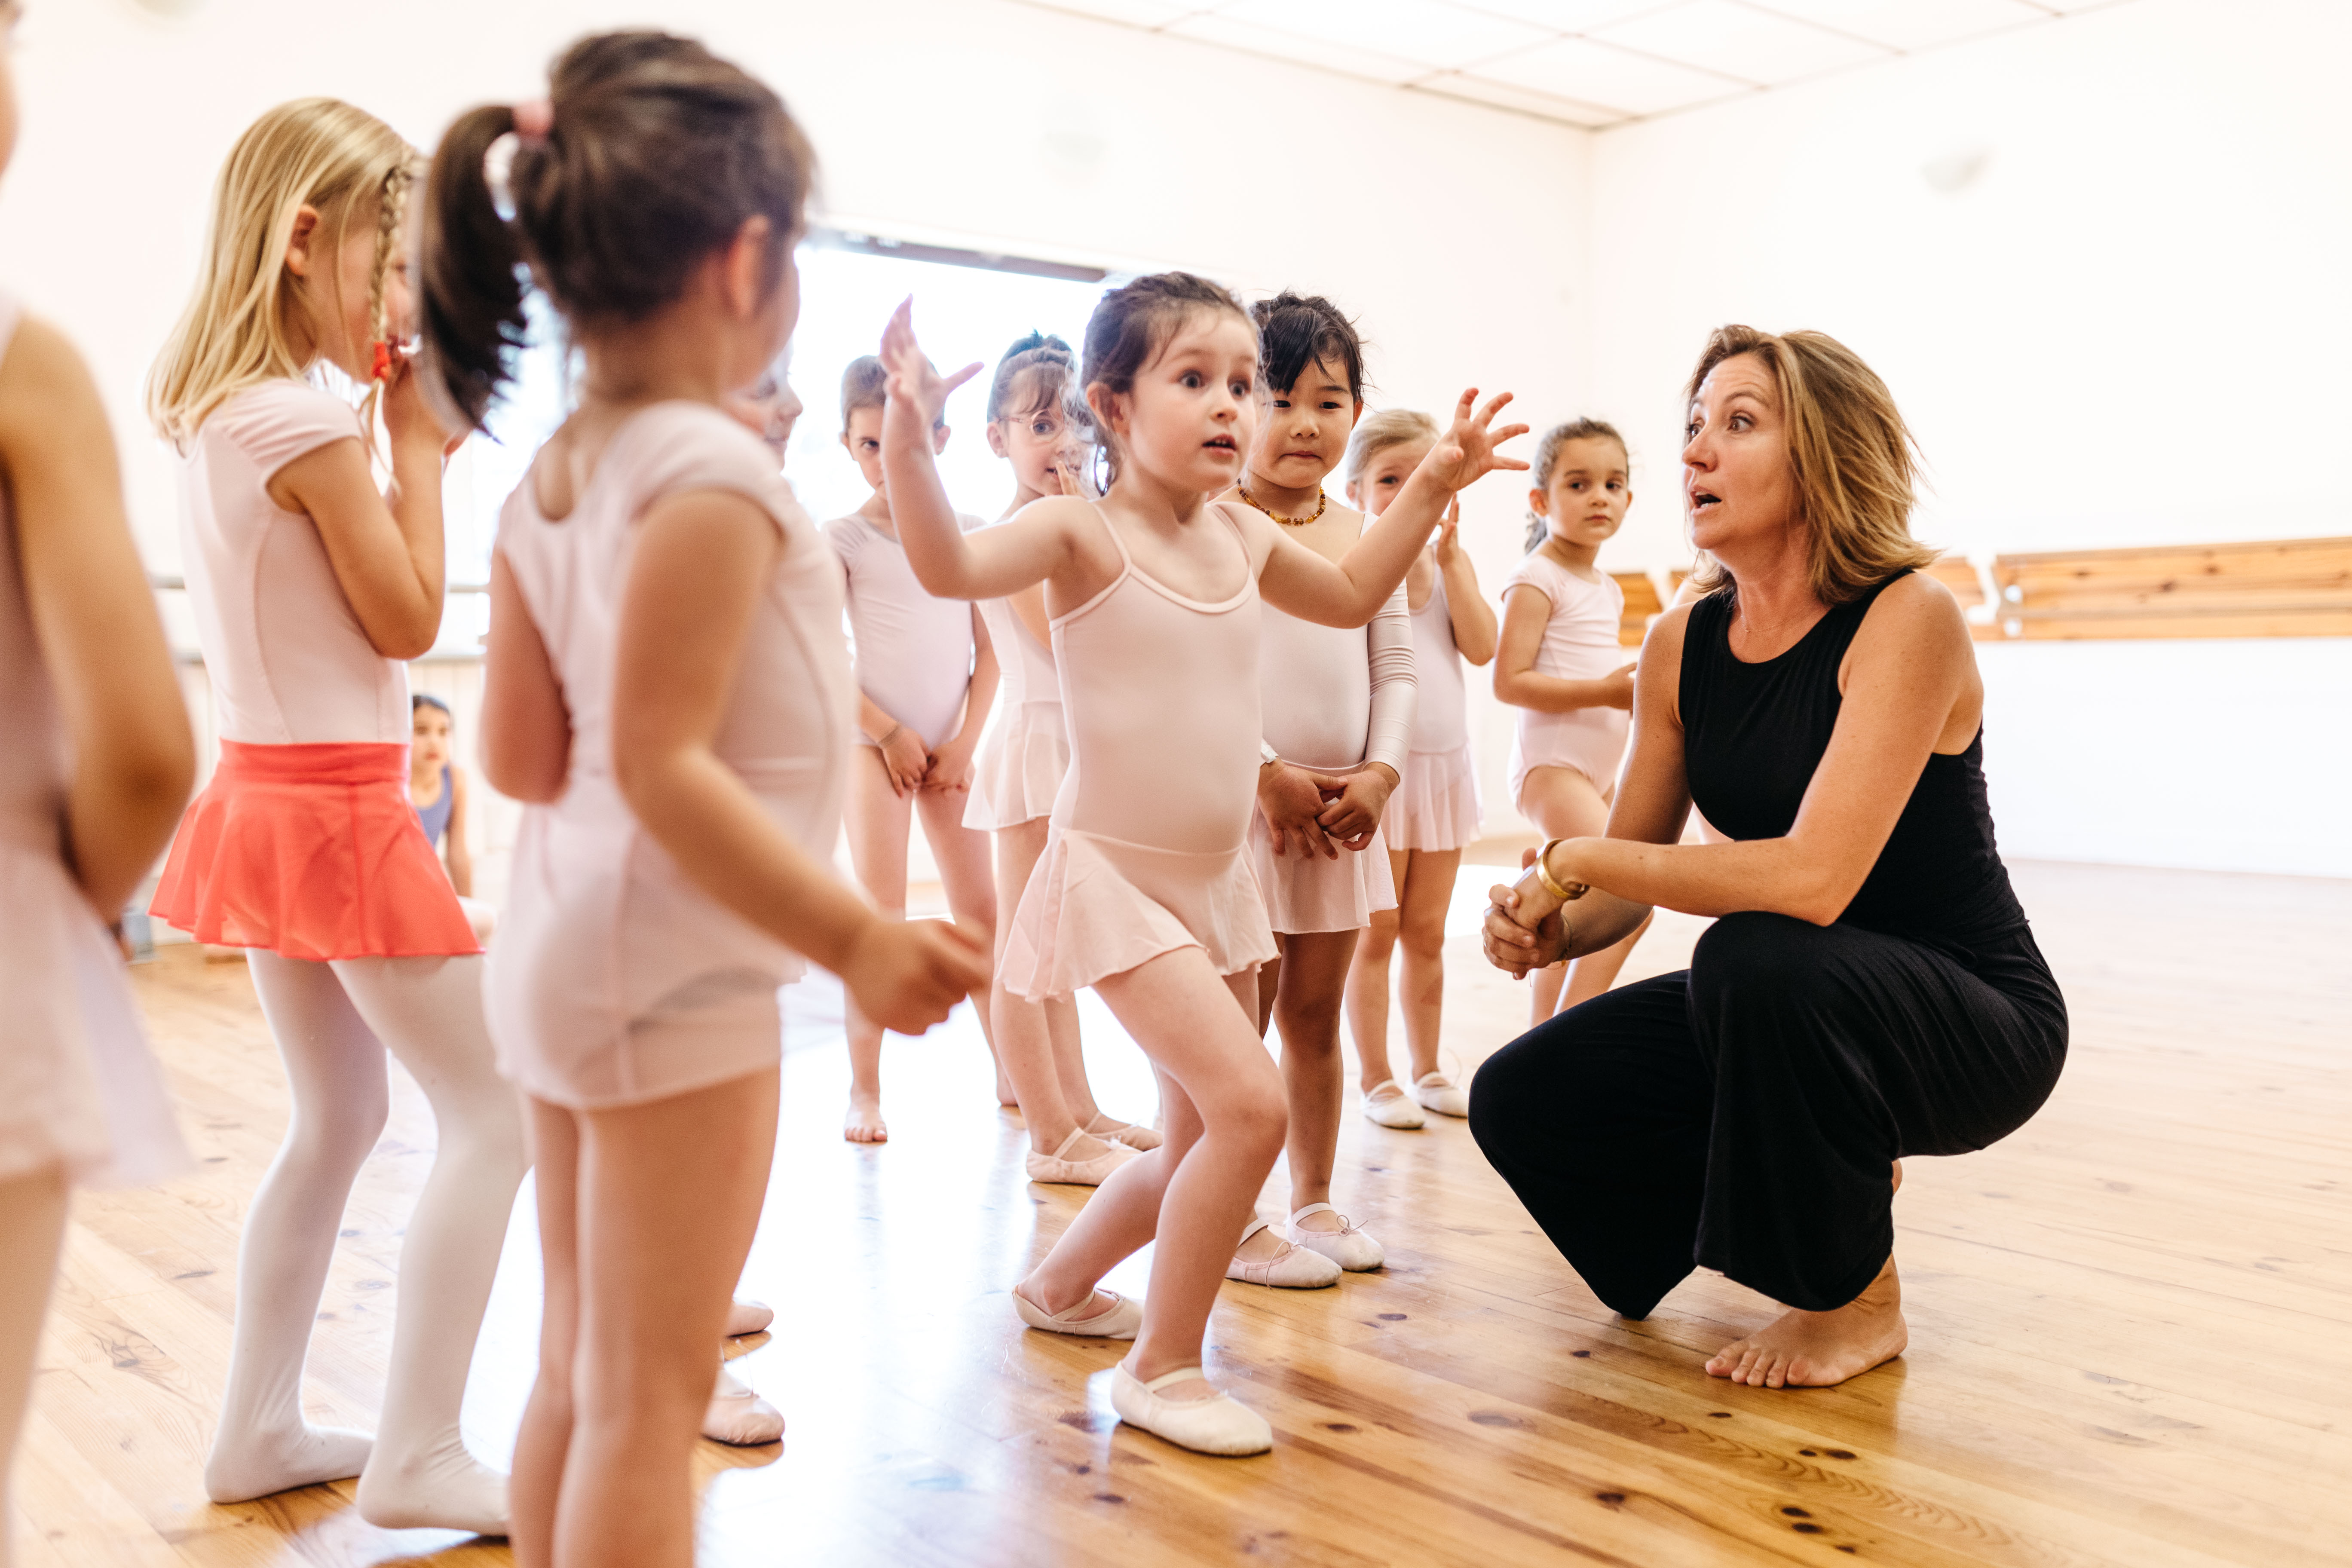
<point x="318" y="152"/>
<point x="1382" y="432"/>
<point x="1853" y="461"/>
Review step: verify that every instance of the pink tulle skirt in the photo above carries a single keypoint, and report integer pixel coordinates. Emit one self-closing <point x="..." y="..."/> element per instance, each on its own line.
<point x="1019" y="768"/>
<point x="1097" y="907"/>
<point x="311" y="851"/>
<point x="1436" y="804"/>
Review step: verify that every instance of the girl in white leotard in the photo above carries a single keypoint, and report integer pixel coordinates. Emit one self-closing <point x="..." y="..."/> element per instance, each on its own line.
<point x="1338" y="709"/>
<point x="1434" y="816"/>
<point x="1561" y="665"/>
<point x="926" y="674"/>
<point x="1022" y="761"/>
<point x="1145" y="891"/>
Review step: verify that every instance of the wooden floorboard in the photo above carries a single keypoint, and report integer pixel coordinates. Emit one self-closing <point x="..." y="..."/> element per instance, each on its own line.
<point x="2132" y="1321"/>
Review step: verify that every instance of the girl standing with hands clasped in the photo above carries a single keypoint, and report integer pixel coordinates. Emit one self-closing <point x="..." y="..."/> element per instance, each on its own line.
<point x="926" y="678"/>
<point x="95" y="767"/>
<point x="1561" y="666"/>
<point x="1434" y="816"/>
<point x="1338" y="707"/>
<point x="668" y="692"/>
<point x="1021" y="763"/>
<point x="310" y="588"/>
<point x="1145" y="891"/>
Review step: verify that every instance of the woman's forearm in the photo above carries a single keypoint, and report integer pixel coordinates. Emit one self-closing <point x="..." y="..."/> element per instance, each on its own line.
<point x="1773" y="875"/>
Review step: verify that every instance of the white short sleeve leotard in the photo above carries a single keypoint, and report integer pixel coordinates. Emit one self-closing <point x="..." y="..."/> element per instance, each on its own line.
<point x="77" y="1085"/>
<point x="288" y="661"/>
<point x="913" y="652"/>
<point x="1437" y="805"/>
<point x="614" y="979"/>
<point x="1580" y="643"/>
<point x="1335" y="701"/>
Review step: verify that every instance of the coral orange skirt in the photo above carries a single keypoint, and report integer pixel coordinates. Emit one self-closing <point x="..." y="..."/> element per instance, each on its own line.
<point x="311" y="851"/>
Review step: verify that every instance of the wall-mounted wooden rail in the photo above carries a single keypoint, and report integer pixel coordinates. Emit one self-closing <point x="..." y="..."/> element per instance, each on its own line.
<point x="2275" y="588"/>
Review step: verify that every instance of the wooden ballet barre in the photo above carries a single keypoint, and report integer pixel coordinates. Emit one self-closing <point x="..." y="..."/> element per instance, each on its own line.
<point x="2275" y="588"/>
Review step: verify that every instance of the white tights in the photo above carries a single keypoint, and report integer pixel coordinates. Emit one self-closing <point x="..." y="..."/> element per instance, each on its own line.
<point x="333" y="1022"/>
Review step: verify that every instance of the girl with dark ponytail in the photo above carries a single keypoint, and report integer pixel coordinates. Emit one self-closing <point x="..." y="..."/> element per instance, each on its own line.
<point x="668" y="691"/>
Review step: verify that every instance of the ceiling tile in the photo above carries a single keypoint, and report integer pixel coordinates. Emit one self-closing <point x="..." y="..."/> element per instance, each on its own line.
<point x="1567" y="16"/>
<point x="1136" y="13"/>
<point x="1525" y="100"/>
<point x="1235" y="33"/>
<point x="1739" y="40"/>
<point x="1432" y="32"/>
<point x="1611" y="78"/>
<point x="1911" y="23"/>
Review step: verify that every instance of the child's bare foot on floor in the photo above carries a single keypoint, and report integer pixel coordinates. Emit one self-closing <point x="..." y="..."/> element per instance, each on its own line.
<point x="1814" y="1350"/>
<point x="864" y="1124"/>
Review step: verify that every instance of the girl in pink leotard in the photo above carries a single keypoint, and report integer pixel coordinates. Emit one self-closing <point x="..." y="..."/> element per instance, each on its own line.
<point x="668" y="690"/>
<point x="1022" y="762"/>
<point x="926" y="677"/>
<point x="1434" y="816"/>
<point x="1145" y="891"/>
<point x="1339" y="711"/>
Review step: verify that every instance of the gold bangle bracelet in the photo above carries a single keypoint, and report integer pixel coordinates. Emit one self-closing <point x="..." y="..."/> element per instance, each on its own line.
<point x="1568" y="895"/>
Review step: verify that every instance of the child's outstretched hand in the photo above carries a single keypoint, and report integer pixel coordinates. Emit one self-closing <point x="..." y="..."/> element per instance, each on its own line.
<point x="1466" y="452"/>
<point x="907" y="975"/>
<point x="914" y="380"/>
<point x="1448" y="542"/>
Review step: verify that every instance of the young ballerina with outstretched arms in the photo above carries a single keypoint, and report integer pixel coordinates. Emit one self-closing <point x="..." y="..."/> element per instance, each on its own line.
<point x="1337" y="708"/>
<point x="93" y="770"/>
<point x="1434" y="816"/>
<point x="1145" y="891"/>
<point x="926" y="677"/>
<point x="311" y="587"/>
<point x="1561" y="666"/>
<point x="1022" y="761"/>
<point x="668" y="691"/>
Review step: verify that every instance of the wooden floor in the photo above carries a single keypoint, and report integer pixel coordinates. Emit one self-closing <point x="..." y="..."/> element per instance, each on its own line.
<point x="2132" y="1321"/>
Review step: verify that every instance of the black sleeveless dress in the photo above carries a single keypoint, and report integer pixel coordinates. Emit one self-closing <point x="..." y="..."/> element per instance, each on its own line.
<point x="1744" y="1113"/>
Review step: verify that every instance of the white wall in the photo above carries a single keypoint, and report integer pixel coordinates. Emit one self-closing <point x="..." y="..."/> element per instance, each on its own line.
<point x="2127" y="330"/>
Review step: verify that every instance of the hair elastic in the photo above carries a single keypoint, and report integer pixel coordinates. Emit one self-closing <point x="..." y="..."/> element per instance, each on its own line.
<point x="533" y="119"/>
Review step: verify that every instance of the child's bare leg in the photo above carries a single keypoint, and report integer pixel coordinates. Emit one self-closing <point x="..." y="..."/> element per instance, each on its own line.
<point x="32" y="1231"/>
<point x="878" y="819"/>
<point x="966" y="864"/>
<point x="537" y="1485"/>
<point x="1192" y="1196"/>
<point x="1562" y="804"/>
<point x="1425" y="897"/>
<point x="1028" y="1050"/>
<point x="1306" y="1010"/>
<point x="1368" y="987"/>
<point x="1596" y="971"/>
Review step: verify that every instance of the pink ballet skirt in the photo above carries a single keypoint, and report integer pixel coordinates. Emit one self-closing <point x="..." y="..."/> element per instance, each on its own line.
<point x="1019" y="768"/>
<point x="1436" y="805"/>
<point x="77" y="1085"/>
<point x="1309" y="893"/>
<point x="1097" y="906"/>
<point x="311" y="851"/>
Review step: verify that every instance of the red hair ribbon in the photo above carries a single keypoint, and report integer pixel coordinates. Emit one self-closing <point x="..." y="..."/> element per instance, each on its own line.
<point x="379" y="367"/>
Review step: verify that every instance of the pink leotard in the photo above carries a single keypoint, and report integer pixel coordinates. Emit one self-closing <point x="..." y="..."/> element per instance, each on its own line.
<point x="288" y="661"/>
<point x="1437" y="805"/>
<point x="1580" y="643"/>
<point x="1145" y="852"/>
<point x="616" y="980"/>
<point x="913" y="652"/>
<point x="1028" y="748"/>
<point x="1335" y="701"/>
<point x="77" y="1085"/>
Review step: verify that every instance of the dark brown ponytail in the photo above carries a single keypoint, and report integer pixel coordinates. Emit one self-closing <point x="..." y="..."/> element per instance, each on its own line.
<point x="656" y="153"/>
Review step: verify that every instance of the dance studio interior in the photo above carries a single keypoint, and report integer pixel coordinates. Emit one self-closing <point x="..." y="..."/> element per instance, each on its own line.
<point x="1915" y="513"/>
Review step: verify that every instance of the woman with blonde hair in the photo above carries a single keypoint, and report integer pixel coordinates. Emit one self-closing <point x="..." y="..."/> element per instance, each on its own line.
<point x="311" y="588"/>
<point x="1870" y="989"/>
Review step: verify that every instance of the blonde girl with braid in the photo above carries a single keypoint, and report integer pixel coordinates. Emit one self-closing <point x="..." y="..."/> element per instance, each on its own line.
<point x="311" y="587"/>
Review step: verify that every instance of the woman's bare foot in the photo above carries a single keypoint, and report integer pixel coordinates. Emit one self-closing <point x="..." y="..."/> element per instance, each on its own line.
<point x="1814" y="1350"/>
<point x="864" y="1124"/>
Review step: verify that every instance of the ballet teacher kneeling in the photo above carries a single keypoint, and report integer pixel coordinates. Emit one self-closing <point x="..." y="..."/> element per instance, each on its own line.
<point x="1869" y="989"/>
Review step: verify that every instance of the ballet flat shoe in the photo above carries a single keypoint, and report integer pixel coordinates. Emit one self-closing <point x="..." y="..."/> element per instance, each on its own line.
<point x="1397" y="1110"/>
<point x="1295" y="1269"/>
<point x="1141" y="1138"/>
<point x="1222" y="1425"/>
<point x="749" y="1318"/>
<point x="1435" y="1094"/>
<point x="738" y="1417"/>
<point x="1120" y="1322"/>
<point x="1349" y="1247"/>
<point x="1056" y="1169"/>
